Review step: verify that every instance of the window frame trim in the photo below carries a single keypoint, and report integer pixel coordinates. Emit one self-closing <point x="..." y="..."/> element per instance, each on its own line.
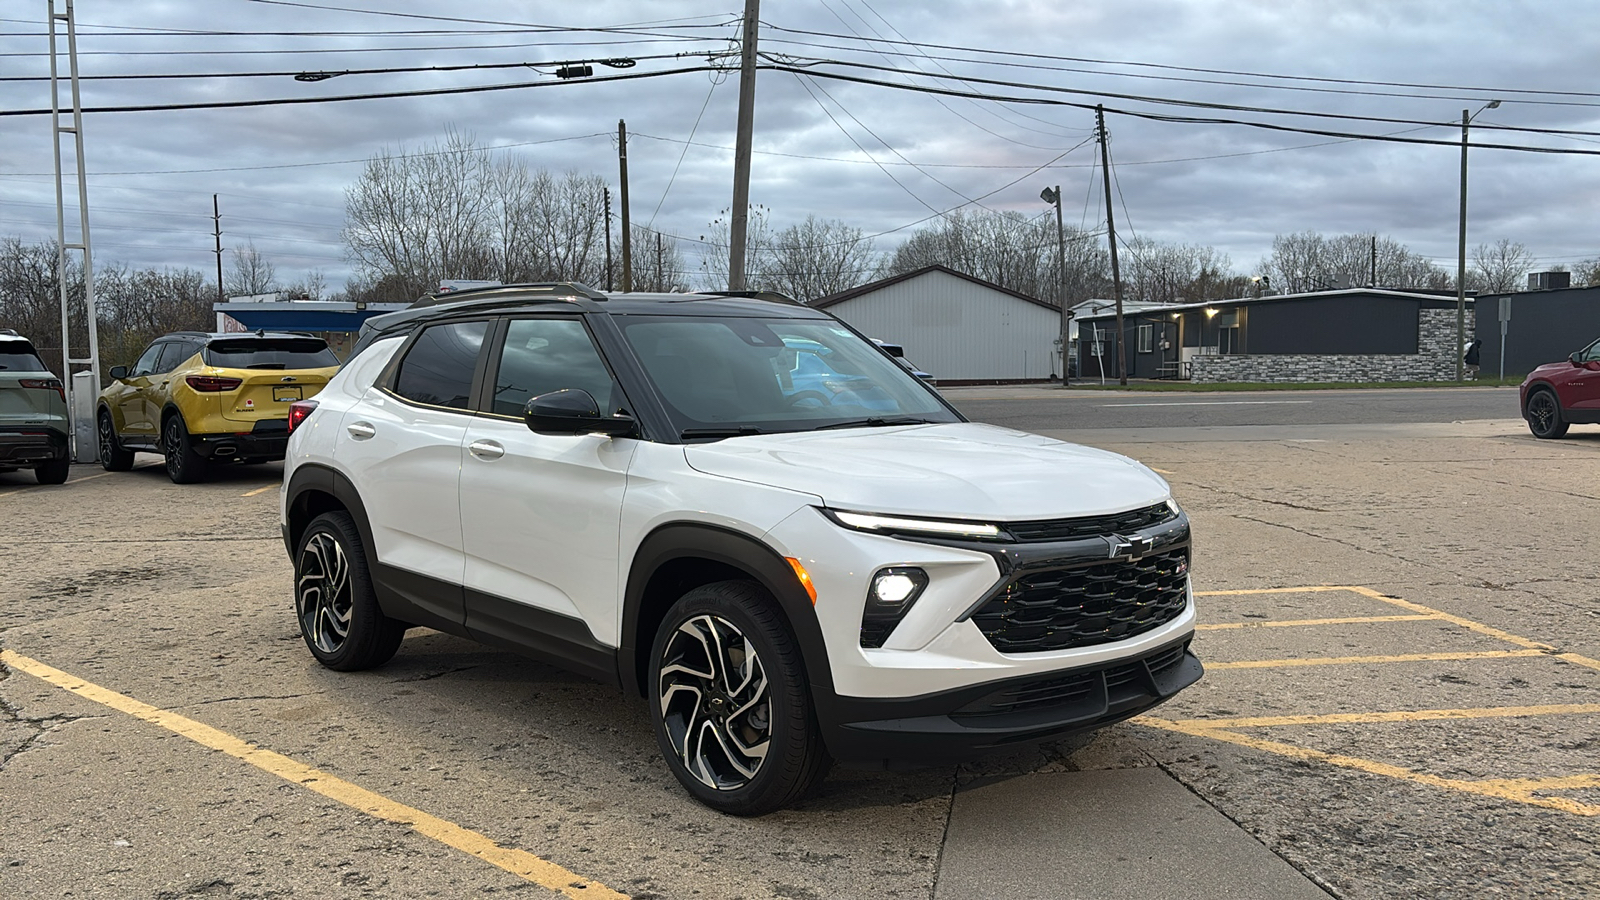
<point x="484" y="400"/>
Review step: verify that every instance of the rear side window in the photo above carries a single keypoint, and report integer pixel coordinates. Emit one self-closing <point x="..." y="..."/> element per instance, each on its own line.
<point x="19" y="356"/>
<point x="270" y="353"/>
<point x="174" y="353"/>
<point x="438" y="368"/>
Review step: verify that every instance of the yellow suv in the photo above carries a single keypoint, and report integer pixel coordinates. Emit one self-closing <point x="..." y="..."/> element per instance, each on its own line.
<point x="200" y="399"/>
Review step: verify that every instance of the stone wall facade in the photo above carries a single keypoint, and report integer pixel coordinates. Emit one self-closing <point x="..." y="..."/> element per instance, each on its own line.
<point x="1434" y="361"/>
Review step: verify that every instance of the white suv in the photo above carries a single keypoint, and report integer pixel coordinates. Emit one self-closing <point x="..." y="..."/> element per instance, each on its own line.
<point x="792" y="569"/>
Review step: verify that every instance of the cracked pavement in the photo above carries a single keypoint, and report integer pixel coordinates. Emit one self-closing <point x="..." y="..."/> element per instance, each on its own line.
<point x="179" y="597"/>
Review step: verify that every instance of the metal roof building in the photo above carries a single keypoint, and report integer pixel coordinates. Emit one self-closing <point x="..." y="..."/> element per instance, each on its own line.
<point x="955" y="326"/>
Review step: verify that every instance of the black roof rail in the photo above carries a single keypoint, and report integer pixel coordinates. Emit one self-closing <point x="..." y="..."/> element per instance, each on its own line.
<point x="550" y="288"/>
<point x="774" y="296"/>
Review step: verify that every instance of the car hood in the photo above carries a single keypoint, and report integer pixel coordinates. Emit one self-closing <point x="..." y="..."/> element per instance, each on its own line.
<point x="962" y="470"/>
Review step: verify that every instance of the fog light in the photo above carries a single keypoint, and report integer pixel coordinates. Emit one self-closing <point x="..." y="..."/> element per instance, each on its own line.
<point x="890" y="596"/>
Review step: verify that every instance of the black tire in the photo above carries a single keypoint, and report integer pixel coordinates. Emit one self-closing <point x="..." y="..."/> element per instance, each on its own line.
<point x="1544" y="415"/>
<point x="334" y="601"/>
<point x="184" y="465"/>
<point x="745" y="749"/>
<point x="53" y="472"/>
<point x="113" y="458"/>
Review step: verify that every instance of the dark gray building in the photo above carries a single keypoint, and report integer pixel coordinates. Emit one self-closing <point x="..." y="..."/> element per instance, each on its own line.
<point x="1544" y="327"/>
<point x="1360" y="334"/>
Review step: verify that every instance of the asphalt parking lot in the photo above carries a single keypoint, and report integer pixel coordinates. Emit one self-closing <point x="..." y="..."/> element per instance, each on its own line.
<point x="1401" y="627"/>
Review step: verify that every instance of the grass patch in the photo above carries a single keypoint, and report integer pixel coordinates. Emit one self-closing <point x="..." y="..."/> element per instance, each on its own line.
<point x="1188" y="387"/>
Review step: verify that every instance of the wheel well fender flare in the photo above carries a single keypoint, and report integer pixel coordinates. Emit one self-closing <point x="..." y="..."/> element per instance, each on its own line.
<point x="718" y="550"/>
<point x="1537" y="387"/>
<point x="314" y="490"/>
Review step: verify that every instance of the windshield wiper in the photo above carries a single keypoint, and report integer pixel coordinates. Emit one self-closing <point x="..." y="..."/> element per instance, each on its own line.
<point x="875" y="422"/>
<point x="728" y="431"/>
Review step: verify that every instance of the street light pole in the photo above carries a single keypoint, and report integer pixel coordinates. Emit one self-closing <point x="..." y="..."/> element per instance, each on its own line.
<point x="1461" y="255"/>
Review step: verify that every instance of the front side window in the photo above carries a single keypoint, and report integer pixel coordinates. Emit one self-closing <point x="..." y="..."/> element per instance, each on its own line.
<point x="437" y="369"/>
<point x="748" y="375"/>
<point x="544" y="355"/>
<point x="1591" y="353"/>
<point x="147" y="363"/>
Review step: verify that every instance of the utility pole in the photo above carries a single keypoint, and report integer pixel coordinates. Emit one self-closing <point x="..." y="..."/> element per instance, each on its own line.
<point x="741" y="146"/>
<point x="216" y="224"/>
<point x="627" y="242"/>
<point x="1053" y="195"/>
<point x="1111" y="233"/>
<point x="661" y="275"/>
<point x="608" y="238"/>
<point x="1461" y="259"/>
<point x="1372" y="277"/>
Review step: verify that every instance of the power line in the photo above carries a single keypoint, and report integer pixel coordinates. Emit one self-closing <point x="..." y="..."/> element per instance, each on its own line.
<point x="664" y="39"/>
<point x="1197" y="104"/>
<point x="433" y="92"/>
<point x="614" y="62"/>
<point x="1131" y="63"/>
<point x="692" y="129"/>
<point x="1192" y="120"/>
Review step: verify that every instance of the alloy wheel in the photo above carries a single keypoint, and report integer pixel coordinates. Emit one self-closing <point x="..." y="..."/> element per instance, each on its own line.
<point x="107" y="437"/>
<point x="716" y="702"/>
<point x="173" y="442"/>
<point x="1542" y="410"/>
<point x="323" y="597"/>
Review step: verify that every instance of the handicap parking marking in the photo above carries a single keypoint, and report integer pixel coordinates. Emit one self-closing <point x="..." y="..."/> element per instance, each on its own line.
<point x="521" y="863"/>
<point x="1536" y="791"/>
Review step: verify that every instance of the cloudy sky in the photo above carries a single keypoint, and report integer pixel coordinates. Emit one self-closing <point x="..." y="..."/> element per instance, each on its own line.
<point x="876" y="156"/>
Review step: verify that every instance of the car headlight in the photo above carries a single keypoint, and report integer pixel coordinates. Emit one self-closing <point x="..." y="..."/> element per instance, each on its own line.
<point x="1172" y="504"/>
<point x="899" y="524"/>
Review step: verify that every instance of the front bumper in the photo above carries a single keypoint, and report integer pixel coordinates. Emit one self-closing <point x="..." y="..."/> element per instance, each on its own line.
<point x="954" y="725"/>
<point x="29" y="445"/>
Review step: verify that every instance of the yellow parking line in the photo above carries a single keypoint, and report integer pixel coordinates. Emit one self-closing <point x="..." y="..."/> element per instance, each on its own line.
<point x="1290" y="623"/>
<point x="1160" y="471"/>
<point x="1578" y="660"/>
<point x="1345" y="660"/>
<point x="1313" y="589"/>
<point x="1415" y="715"/>
<point x="1557" y="783"/>
<point x="518" y="862"/>
<point x="270" y="487"/>
<point x="1479" y="627"/>
<point x="1515" y="791"/>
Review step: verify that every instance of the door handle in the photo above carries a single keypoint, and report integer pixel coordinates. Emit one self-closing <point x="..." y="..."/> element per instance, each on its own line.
<point x="361" y="430"/>
<point x="486" y="450"/>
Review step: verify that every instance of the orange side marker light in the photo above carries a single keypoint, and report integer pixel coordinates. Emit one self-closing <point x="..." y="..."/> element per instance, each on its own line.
<point x="805" y="578"/>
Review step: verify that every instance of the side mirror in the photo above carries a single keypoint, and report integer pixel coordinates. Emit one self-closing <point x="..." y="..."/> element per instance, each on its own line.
<point x="119" y="373"/>
<point x="573" y="411"/>
<point x="1573" y="358"/>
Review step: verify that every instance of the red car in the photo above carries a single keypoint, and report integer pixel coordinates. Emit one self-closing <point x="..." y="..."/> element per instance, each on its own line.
<point x="1556" y="395"/>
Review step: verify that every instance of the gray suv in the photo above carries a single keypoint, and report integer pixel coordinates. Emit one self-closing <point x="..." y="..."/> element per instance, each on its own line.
<point x="33" y="412"/>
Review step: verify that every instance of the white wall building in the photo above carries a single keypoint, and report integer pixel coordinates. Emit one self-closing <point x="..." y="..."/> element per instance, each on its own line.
<point x="955" y="326"/>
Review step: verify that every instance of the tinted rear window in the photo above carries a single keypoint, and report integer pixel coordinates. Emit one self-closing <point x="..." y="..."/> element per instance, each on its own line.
<point x="18" y="356"/>
<point x="270" y="353"/>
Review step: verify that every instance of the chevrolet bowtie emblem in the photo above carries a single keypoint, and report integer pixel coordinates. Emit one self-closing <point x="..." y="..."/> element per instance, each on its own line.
<point x="1129" y="548"/>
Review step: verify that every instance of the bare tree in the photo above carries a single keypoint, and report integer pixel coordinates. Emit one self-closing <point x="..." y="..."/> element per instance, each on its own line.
<point x="422" y="217"/>
<point x="250" y="273"/>
<point x="657" y="263"/>
<point x="757" y="251"/>
<point x="311" y="286"/>
<point x="1309" y="261"/>
<point x="1586" y="273"/>
<point x="817" y="257"/>
<point x="1501" y="267"/>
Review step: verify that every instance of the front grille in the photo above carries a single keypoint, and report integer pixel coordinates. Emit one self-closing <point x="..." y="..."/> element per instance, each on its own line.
<point x="1091" y="526"/>
<point x="1058" y="609"/>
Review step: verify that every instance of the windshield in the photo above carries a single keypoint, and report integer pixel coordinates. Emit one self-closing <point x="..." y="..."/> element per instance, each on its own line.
<point x="725" y="375"/>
